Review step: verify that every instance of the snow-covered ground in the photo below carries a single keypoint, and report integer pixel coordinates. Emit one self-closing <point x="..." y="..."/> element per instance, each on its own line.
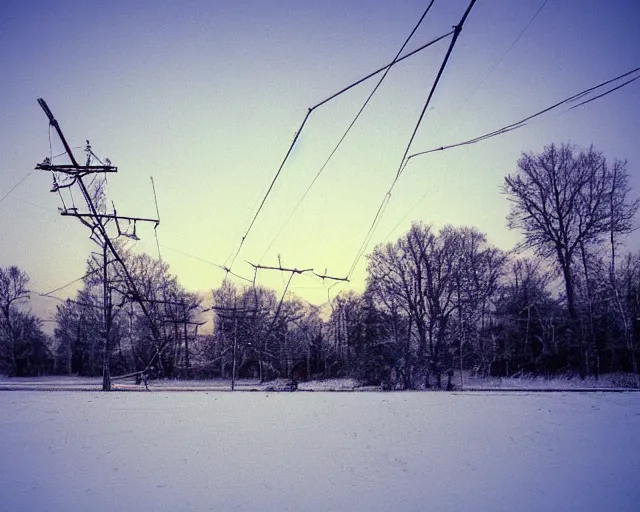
<point x="532" y="382"/>
<point x="612" y="381"/>
<point x="413" y="451"/>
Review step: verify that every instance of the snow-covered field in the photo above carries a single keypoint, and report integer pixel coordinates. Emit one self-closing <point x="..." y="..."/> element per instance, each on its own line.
<point x="532" y="382"/>
<point x="612" y="381"/>
<point x="413" y="451"/>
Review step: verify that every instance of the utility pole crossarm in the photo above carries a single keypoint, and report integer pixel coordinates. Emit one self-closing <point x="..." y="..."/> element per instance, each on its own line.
<point x="180" y="321"/>
<point x="72" y="169"/>
<point x="298" y="271"/>
<point x="238" y="310"/>
<point x="281" y="269"/>
<point x="98" y="227"/>
<point x="325" y="276"/>
<point x="69" y="213"/>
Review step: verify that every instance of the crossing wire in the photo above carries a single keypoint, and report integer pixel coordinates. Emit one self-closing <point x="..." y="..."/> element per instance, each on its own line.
<point x="304" y="122"/>
<point x="14" y="187"/>
<point x="217" y="265"/>
<point x="523" y="122"/>
<point x="353" y="122"/>
<point x="475" y="90"/>
<point x="515" y="41"/>
<point x="402" y="165"/>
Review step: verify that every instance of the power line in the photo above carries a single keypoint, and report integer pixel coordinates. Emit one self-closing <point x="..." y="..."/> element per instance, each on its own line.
<point x="401" y="167"/>
<point x="16" y="186"/>
<point x="605" y="93"/>
<point x="221" y="267"/>
<point x="273" y="182"/>
<point x="475" y="90"/>
<point x="91" y="272"/>
<point x="380" y="70"/>
<point x="522" y="122"/>
<point x="70" y="283"/>
<point x="497" y="63"/>
<point x="155" y="229"/>
<point x="372" y="228"/>
<point x="406" y="215"/>
<point x="60" y="299"/>
<point x="456" y="34"/>
<point x="353" y="122"/>
<point x="514" y="42"/>
<point x="302" y="125"/>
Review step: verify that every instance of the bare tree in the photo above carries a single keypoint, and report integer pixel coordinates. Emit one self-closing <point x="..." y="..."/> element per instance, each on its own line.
<point x="13" y="290"/>
<point x="565" y="200"/>
<point x="428" y="277"/>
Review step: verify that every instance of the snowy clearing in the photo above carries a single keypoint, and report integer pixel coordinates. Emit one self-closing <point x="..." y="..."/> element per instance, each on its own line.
<point x="411" y="451"/>
<point x="608" y="382"/>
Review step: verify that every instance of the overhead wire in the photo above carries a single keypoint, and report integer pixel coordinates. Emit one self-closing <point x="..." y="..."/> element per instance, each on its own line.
<point x="15" y="186"/>
<point x="64" y="152"/>
<point x="350" y="126"/>
<point x="605" y="93"/>
<point x="217" y="265"/>
<point x="499" y="61"/>
<point x="522" y="122"/>
<point x="381" y="69"/>
<point x="155" y="228"/>
<point x="273" y="182"/>
<point x="60" y="299"/>
<point x="511" y="46"/>
<point x="406" y="215"/>
<point x="475" y="90"/>
<point x="91" y="272"/>
<point x="278" y="309"/>
<point x="371" y="230"/>
<point x="302" y="125"/>
<point x="402" y="165"/>
<point x="69" y="283"/>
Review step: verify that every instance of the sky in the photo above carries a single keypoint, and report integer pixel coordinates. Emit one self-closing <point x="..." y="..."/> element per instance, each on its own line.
<point x="207" y="96"/>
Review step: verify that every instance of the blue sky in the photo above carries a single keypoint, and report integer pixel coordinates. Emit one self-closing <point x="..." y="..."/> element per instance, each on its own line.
<point x="206" y="96"/>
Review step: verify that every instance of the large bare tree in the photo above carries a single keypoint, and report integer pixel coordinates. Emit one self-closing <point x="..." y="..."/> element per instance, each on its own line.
<point x="565" y="199"/>
<point x="429" y="276"/>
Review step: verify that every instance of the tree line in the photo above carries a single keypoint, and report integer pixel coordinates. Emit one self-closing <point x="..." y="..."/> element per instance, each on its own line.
<point x="436" y="301"/>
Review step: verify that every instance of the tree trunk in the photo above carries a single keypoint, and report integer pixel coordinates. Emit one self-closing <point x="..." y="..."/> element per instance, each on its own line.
<point x="591" y="329"/>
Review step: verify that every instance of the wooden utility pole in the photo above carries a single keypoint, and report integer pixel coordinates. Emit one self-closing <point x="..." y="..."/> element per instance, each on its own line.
<point x="184" y="321"/>
<point x="235" y="341"/>
<point x="220" y="311"/>
<point x="186" y="340"/>
<point x="97" y="222"/>
<point x="460" y="319"/>
<point x="106" y="365"/>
